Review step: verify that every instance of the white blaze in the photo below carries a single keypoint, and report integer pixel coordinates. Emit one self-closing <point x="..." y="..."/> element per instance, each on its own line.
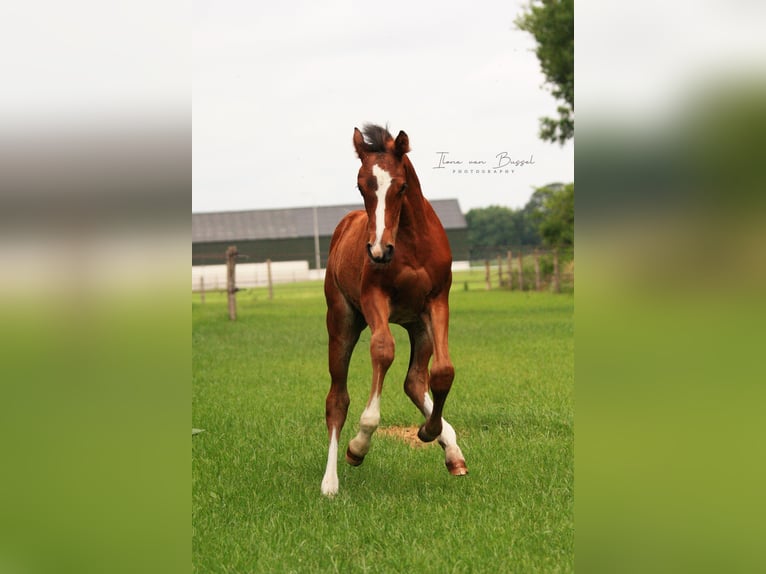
<point x="384" y="181"/>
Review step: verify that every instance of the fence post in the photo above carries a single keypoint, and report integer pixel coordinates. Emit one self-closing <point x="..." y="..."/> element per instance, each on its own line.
<point x="538" y="287"/>
<point x="486" y="268"/>
<point x="500" y="270"/>
<point x="572" y="266"/>
<point x="268" y="275"/>
<point x="201" y="288"/>
<point x="316" y="241"/>
<point x="556" y="278"/>
<point x="510" y="271"/>
<point x="231" y="288"/>
<point x="521" y="270"/>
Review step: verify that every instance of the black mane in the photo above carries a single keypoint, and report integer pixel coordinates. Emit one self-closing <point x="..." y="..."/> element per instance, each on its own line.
<point x="375" y="137"/>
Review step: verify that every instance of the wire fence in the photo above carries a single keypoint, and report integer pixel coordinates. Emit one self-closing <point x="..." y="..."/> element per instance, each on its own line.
<point x="524" y="268"/>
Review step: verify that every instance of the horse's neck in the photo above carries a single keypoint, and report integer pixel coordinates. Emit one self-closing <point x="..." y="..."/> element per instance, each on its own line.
<point x="415" y="208"/>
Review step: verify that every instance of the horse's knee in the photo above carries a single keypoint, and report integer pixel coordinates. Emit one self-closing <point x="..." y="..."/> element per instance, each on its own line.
<point x="441" y="377"/>
<point x="336" y="405"/>
<point x="382" y="349"/>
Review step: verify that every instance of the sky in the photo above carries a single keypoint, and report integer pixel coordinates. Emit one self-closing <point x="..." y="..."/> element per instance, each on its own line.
<point x="278" y="88"/>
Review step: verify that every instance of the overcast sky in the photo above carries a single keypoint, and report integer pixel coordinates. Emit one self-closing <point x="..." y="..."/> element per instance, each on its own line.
<point x="280" y="86"/>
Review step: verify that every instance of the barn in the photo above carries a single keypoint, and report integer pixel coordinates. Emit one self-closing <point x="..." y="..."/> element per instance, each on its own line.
<point x="296" y="234"/>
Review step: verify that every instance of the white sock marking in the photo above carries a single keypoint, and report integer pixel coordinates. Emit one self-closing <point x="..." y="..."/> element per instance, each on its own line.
<point x="428" y="405"/>
<point x="330" y="480"/>
<point x="448" y="438"/>
<point x="368" y="423"/>
<point x="371" y="415"/>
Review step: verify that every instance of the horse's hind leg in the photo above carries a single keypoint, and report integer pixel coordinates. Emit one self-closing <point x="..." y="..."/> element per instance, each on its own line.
<point x="453" y="456"/>
<point x="416" y="386"/>
<point x="343" y="328"/>
<point x="416" y="382"/>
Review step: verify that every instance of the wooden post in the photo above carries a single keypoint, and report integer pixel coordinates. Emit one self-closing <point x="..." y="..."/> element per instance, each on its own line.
<point x="572" y="276"/>
<point x="316" y="241"/>
<point x="510" y="270"/>
<point x="521" y="271"/>
<point x="486" y="268"/>
<point x="231" y="287"/>
<point x="537" y="270"/>
<point x="556" y="277"/>
<point x="500" y="270"/>
<point x="201" y="288"/>
<point x="268" y="274"/>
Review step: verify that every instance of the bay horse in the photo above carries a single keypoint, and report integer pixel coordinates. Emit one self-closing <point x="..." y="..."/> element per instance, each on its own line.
<point x="389" y="263"/>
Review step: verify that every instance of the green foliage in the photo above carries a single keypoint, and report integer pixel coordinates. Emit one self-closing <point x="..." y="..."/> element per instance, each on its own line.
<point x="547" y="219"/>
<point x="494" y="229"/>
<point x="492" y="226"/>
<point x="555" y="215"/>
<point x="259" y="386"/>
<point x="551" y="22"/>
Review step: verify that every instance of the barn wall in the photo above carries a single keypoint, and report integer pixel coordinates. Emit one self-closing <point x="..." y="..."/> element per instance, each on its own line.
<point x="293" y="249"/>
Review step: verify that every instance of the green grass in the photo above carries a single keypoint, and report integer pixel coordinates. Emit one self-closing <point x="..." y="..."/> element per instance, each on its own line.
<point x="259" y="386"/>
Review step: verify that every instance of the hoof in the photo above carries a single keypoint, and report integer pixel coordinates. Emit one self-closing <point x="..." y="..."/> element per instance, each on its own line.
<point x="424" y="436"/>
<point x="457" y="467"/>
<point x="329" y="490"/>
<point x="353" y="459"/>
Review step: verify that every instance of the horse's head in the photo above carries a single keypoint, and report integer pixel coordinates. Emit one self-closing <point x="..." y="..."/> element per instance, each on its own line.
<point x="382" y="182"/>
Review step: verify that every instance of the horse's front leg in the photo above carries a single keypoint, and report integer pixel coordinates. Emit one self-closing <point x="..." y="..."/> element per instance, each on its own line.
<point x="376" y="311"/>
<point x="440" y="380"/>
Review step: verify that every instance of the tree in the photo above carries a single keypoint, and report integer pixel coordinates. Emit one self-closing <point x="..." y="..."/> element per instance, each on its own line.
<point x="490" y="228"/>
<point x="551" y="22"/>
<point x="547" y="219"/>
<point x="495" y="229"/>
<point x="554" y="212"/>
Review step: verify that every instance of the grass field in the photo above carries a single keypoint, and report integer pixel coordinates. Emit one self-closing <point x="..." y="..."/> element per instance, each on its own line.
<point x="259" y="386"/>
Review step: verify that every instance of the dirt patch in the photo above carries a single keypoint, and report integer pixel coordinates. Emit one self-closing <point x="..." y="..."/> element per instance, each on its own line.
<point x="409" y="435"/>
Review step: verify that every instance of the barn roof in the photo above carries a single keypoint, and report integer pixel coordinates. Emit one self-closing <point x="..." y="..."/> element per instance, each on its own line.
<point x="294" y="222"/>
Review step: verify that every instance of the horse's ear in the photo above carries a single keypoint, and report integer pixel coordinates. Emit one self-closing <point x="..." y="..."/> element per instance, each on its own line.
<point x="359" y="145"/>
<point x="402" y="144"/>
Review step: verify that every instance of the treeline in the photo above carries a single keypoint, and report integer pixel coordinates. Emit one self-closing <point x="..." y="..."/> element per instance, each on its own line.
<point x="546" y="221"/>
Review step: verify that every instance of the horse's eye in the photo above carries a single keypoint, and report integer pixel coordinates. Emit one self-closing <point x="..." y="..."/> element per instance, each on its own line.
<point x="403" y="189"/>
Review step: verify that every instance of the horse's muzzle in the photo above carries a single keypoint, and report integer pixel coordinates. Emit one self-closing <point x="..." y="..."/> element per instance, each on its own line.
<point x="385" y="256"/>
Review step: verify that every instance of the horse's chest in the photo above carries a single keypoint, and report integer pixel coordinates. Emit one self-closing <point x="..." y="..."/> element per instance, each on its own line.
<point x="408" y="295"/>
